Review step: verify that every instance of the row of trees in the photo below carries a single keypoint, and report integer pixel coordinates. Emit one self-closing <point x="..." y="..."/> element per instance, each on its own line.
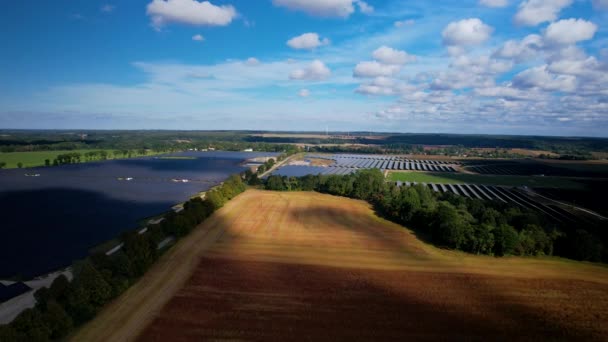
<point x="67" y="158"/>
<point x="266" y="166"/>
<point x="159" y="141"/>
<point x="456" y="222"/>
<point x="100" y="278"/>
<point x="253" y="178"/>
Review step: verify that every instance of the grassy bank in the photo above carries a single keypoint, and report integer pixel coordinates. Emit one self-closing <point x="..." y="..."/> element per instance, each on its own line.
<point x="34" y="159"/>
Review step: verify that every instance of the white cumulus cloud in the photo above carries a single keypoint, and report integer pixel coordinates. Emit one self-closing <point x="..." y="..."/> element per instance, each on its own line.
<point x="191" y="12"/>
<point x="534" y="12"/>
<point x="379" y="86"/>
<point x="401" y="23"/>
<point x="307" y="41"/>
<point x="570" y="31"/>
<point x="374" y="69"/>
<point x="364" y="7"/>
<point x="198" y="38"/>
<point x="388" y="55"/>
<point x="494" y="3"/>
<point x="325" y="8"/>
<point x="466" y="32"/>
<point x="304" y="93"/>
<point x="251" y="61"/>
<point x="540" y="77"/>
<point x="316" y="71"/>
<point x="523" y="50"/>
<point x="600" y="4"/>
<point x="107" y="8"/>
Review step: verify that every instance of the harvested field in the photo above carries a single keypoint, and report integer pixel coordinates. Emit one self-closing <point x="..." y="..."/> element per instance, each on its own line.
<point x="230" y="299"/>
<point x="306" y="266"/>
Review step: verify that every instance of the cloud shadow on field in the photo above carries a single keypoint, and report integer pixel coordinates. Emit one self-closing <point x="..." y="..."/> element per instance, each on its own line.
<point x="253" y="300"/>
<point x="244" y="298"/>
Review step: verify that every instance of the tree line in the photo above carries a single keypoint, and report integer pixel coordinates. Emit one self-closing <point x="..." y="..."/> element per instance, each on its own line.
<point x="100" y="278"/>
<point x="458" y="222"/>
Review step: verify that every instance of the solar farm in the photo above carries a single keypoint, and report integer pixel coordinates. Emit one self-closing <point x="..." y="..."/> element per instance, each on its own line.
<point x="520" y="194"/>
<point x="535" y="168"/>
<point x="348" y="163"/>
<point x="502" y="194"/>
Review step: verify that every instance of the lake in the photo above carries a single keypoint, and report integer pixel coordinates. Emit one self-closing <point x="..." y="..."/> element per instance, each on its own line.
<point x="52" y="219"/>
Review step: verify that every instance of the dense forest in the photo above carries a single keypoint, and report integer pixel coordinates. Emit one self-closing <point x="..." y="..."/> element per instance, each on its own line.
<point x="457" y="222"/>
<point x="168" y="141"/>
<point x="577" y="148"/>
<point x="131" y="141"/>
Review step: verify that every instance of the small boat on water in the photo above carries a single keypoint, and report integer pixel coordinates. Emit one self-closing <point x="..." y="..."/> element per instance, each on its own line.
<point x="32" y="175"/>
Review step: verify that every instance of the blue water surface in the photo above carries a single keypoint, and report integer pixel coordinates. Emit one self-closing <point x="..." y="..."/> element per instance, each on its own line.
<point x="47" y="221"/>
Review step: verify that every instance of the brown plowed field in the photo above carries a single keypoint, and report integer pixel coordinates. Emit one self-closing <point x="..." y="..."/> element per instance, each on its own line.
<point x="306" y="266"/>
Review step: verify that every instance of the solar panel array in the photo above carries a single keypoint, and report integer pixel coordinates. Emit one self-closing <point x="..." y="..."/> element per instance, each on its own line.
<point x="345" y="164"/>
<point x="383" y="162"/>
<point x="498" y="193"/>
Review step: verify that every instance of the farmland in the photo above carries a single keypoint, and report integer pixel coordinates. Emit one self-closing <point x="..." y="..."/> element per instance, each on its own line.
<point x="462" y="178"/>
<point x="37" y="158"/>
<point x="306" y="266"/>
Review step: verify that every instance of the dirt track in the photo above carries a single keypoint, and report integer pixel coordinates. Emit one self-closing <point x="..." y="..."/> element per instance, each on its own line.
<point x="303" y="266"/>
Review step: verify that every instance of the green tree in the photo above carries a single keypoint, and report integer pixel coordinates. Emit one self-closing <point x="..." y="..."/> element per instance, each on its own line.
<point x="368" y="183"/>
<point x="59" y="288"/>
<point x="47" y="162"/>
<point x="32" y="326"/>
<point x="88" y="291"/>
<point x="79" y="306"/>
<point x="506" y="240"/>
<point x="247" y="175"/>
<point x="215" y="198"/>
<point x="534" y="241"/>
<point x="141" y="251"/>
<point x="19" y="164"/>
<point x="275" y="183"/>
<point x="57" y="320"/>
<point x="451" y="229"/>
<point x="42" y="296"/>
<point x="586" y="246"/>
<point x="2" y="165"/>
<point x="8" y="334"/>
<point x="482" y="240"/>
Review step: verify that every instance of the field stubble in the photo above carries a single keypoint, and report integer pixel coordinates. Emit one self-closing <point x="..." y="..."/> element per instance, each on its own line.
<point x="306" y="266"/>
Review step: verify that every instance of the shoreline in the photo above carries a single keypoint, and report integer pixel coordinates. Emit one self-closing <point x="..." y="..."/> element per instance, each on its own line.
<point x="14" y="306"/>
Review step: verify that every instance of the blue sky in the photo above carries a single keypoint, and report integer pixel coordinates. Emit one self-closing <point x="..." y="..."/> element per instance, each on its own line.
<point x="472" y="66"/>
